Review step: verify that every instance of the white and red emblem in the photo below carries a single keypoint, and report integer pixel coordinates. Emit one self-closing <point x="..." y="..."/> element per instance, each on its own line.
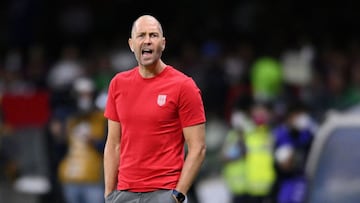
<point x="161" y="100"/>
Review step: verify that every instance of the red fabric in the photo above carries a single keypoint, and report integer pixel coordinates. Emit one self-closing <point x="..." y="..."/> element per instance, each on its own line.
<point x="152" y="143"/>
<point x="24" y="110"/>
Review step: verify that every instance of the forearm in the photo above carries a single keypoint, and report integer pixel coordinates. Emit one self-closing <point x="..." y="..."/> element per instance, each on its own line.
<point x="111" y="162"/>
<point x="192" y="165"/>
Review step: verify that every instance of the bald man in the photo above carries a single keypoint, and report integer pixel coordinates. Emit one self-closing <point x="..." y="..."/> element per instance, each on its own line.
<point x="153" y="110"/>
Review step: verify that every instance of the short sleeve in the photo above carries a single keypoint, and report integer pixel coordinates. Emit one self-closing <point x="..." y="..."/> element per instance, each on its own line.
<point x="110" y="109"/>
<point x="191" y="108"/>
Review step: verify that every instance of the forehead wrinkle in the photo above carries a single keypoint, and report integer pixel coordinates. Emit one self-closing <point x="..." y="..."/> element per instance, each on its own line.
<point x="147" y="19"/>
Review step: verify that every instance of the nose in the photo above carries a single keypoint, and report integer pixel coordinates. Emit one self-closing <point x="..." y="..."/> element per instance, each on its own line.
<point x="147" y="39"/>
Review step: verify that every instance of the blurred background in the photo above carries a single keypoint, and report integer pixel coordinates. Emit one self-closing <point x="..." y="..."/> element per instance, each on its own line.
<point x="271" y="74"/>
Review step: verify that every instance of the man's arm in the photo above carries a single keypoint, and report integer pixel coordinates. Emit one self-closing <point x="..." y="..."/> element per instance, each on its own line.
<point x="111" y="156"/>
<point x="195" y="139"/>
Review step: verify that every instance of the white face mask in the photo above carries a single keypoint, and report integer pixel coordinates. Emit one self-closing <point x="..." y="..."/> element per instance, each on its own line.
<point x="302" y="121"/>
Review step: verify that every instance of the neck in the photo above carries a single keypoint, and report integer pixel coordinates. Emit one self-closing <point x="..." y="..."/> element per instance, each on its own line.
<point x="151" y="70"/>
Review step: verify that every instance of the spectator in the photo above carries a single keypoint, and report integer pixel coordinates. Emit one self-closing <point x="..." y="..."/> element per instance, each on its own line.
<point x="66" y="70"/>
<point x="249" y="171"/>
<point x="266" y="79"/>
<point x="80" y="171"/>
<point x="293" y="140"/>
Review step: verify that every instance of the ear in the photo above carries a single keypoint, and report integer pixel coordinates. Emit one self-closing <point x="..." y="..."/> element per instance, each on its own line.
<point x="163" y="44"/>
<point x="131" y="45"/>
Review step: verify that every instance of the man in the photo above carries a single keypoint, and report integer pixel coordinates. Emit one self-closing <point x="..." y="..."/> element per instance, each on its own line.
<point x="152" y="110"/>
<point x="249" y="168"/>
<point x="80" y="171"/>
<point x="293" y="140"/>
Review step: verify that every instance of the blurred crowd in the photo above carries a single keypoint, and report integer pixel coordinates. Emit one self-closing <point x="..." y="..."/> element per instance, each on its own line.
<point x="264" y="99"/>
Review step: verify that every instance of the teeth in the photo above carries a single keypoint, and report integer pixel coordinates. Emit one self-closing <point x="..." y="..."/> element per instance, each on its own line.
<point x="146" y="51"/>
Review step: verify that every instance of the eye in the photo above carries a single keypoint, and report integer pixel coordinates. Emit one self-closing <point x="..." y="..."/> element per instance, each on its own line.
<point x="154" y="35"/>
<point x="141" y="35"/>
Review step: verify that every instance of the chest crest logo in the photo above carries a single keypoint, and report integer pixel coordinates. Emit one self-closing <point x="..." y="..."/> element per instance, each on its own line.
<point x="161" y="100"/>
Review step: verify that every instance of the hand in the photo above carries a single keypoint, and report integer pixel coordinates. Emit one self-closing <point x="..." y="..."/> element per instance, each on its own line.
<point x="107" y="193"/>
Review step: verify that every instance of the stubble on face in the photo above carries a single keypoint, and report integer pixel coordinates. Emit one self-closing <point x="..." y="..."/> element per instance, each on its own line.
<point x="147" y="41"/>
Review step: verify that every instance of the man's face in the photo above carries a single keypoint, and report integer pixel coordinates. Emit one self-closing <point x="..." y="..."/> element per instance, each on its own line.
<point x="147" y="41"/>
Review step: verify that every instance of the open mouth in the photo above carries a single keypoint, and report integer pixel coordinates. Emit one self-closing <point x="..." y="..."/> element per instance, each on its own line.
<point x="146" y="52"/>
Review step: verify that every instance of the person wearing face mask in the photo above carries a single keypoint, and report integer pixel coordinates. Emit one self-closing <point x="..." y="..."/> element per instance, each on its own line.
<point x="249" y="168"/>
<point x="259" y="161"/>
<point x="232" y="156"/>
<point x="293" y="140"/>
<point x="80" y="171"/>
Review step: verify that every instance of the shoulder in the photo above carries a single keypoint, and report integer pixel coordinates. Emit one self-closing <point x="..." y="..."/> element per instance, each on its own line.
<point x="180" y="77"/>
<point x="172" y="71"/>
<point x="123" y="76"/>
<point x="280" y="131"/>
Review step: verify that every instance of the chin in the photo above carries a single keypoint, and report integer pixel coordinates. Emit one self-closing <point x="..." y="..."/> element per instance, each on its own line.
<point x="147" y="64"/>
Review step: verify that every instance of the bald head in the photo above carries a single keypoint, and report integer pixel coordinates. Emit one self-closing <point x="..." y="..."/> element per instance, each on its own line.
<point x="146" y="19"/>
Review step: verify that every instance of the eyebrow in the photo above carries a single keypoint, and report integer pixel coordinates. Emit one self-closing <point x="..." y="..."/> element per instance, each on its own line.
<point x="151" y="33"/>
